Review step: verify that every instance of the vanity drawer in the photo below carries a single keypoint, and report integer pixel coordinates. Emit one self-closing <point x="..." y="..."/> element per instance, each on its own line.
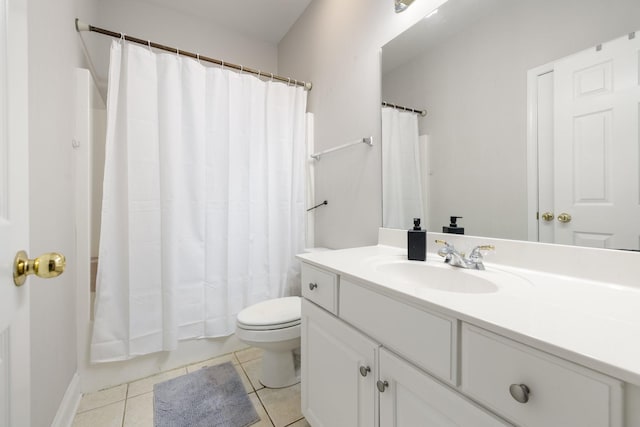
<point x="425" y="339"/>
<point x="321" y="287"/>
<point x="560" y="393"/>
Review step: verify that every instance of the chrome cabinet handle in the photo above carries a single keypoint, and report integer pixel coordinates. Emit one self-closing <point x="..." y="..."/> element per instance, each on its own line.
<point x="312" y="286"/>
<point x="520" y="392"/>
<point x="382" y="385"/>
<point x="364" y="370"/>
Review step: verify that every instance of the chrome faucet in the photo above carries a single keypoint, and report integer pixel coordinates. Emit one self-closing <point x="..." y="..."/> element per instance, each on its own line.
<point x="458" y="259"/>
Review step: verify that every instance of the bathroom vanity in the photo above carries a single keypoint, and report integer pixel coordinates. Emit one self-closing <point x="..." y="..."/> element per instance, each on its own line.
<point x="391" y="342"/>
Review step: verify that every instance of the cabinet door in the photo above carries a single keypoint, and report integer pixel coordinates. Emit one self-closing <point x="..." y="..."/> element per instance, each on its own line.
<point x="411" y="398"/>
<point x="335" y="393"/>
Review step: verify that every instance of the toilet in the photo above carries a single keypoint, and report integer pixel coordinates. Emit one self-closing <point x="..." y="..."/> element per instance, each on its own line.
<point x="274" y="326"/>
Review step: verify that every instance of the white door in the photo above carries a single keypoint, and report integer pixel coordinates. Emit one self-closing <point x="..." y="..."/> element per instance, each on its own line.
<point x="14" y="214"/>
<point x="411" y="398"/>
<point x="597" y="185"/>
<point x="338" y="371"/>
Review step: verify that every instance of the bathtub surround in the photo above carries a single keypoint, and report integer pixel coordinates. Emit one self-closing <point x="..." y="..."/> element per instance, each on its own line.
<point x="203" y="206"/>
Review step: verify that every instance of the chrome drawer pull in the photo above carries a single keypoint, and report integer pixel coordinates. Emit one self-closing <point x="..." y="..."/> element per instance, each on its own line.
<point x="382" y="385"/>
<point x="519" y="392"/>
<point x="312" y="286"/>
<point x="364" y="370"/>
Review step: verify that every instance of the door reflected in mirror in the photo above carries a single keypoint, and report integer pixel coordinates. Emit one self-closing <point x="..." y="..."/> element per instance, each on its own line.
<point x="533" y="118"/>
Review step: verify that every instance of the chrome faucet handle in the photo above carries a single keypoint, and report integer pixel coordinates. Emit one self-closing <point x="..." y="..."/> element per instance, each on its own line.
<point x="447" y="250"/>
<point x="475" y="257"/>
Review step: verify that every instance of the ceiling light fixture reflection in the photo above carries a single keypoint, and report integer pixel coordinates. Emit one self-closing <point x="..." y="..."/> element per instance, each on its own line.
<point x="402" y="5"/>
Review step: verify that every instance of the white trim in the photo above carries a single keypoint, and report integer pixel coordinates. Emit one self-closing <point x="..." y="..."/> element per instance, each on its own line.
<point x="69" y="405"/>
<point x="532" y="148"/>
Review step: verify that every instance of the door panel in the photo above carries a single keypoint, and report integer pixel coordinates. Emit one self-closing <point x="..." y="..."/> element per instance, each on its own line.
<point x="14" y="214"/>
<point x="334" y="392"/>
<point x="596" y="146"/>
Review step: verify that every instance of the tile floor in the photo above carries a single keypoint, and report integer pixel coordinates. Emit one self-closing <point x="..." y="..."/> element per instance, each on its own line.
<point x="131" y="405"/>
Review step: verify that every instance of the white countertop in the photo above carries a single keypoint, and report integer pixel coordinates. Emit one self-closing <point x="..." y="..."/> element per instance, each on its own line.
<point x="592" y="323"/>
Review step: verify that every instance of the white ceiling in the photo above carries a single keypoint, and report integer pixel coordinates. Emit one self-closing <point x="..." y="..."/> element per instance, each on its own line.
<point x="267" y="20"/>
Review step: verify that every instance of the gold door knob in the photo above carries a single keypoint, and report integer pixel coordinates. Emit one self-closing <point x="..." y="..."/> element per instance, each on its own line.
<point x="45" y="266"/>
<point x="564" y="217"/>
<point x="547" y="216"/>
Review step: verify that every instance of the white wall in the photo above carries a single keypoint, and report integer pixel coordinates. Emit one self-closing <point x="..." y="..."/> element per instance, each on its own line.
<point x="53" y="54"/>
<point x="475" y="88"/>
<point x="336" y="44"/>
<point x="177" y="29"/>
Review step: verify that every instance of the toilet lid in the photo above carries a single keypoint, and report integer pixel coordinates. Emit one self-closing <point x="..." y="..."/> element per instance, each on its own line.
<point x="277" y="313"/>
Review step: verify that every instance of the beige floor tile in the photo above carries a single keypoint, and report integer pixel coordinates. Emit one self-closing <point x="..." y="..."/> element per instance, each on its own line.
<point x="300" y="423"/>
<point x="138" y="411"/>
<point x="253" y="369"/>
<point x="102" y="398"/>
<point x="105" y="416"/>
<point x="282" y="404"/>
<point x="145" y="385"/>
<point x="245" y="379"/>
<point x="212" y="362"/>
<point x="248" y="354"/>
<point x="264" y="418"/>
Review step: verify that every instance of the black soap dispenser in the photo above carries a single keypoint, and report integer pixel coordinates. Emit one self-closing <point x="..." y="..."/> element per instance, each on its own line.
<point x="417" y="242"/>
<point x="453" y="226"/>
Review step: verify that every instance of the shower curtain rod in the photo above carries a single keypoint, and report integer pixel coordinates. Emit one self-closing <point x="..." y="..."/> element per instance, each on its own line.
<point x="81" y="26"/>
<point x="400" y="107"/>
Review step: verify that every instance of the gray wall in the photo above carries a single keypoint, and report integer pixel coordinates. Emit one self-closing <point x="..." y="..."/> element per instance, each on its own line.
<point x="475" y="88"/>
<point x="54" y="52"/>
<point x="336" y="45"/>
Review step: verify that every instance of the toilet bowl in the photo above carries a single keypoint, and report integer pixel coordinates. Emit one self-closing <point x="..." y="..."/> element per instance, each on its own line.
<point x="273" y="326"/>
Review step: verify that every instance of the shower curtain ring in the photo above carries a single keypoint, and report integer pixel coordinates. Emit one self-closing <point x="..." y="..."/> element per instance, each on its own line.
<point x="177" y="52"/>
<point x="295" y="82"/>
<point x="288" y="81"/>
<point x="271" y="76"/>
<point x="222" y="64"/>
<point x="241" y="69"/>
<point x="198" y="58"/>
<point x="123" y="37"/>
<point x="149" y="45"/>
<point x="259" y="72"/>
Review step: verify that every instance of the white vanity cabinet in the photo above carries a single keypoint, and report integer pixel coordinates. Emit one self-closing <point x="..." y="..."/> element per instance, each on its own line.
<point x="409" y="397"/>
<point x="374" y="359"/>
<point x="338" y="371"/>
<point x="551" y="391"/>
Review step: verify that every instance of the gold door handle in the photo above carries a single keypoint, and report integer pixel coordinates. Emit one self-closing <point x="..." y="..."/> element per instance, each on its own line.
<point x="45" y="266"/>
<point x="564" y="217"/>
<point x="547" y="216"/>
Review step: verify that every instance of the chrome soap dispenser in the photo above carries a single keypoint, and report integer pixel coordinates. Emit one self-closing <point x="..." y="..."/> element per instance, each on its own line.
<point x="417" y="242"/>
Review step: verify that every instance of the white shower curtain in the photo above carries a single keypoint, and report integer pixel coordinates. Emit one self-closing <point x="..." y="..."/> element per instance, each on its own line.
<point x="204" y="200"/>
<point x="402" y="198"/>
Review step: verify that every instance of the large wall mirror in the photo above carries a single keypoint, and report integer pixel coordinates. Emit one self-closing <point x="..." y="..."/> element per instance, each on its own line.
<point x="532" y="121"/>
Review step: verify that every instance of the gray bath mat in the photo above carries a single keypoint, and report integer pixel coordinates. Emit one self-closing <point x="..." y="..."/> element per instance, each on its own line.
<point x="210" y="397"/>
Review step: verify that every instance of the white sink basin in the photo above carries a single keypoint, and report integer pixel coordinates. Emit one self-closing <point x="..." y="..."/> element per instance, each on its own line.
<point x="443" y="277"/>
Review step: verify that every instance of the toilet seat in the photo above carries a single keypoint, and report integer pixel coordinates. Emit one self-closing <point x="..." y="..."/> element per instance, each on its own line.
<point x="272" y="314"/>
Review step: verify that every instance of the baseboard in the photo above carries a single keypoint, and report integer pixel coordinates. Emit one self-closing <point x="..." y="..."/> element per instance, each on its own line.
<point x="69" y="405"/>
